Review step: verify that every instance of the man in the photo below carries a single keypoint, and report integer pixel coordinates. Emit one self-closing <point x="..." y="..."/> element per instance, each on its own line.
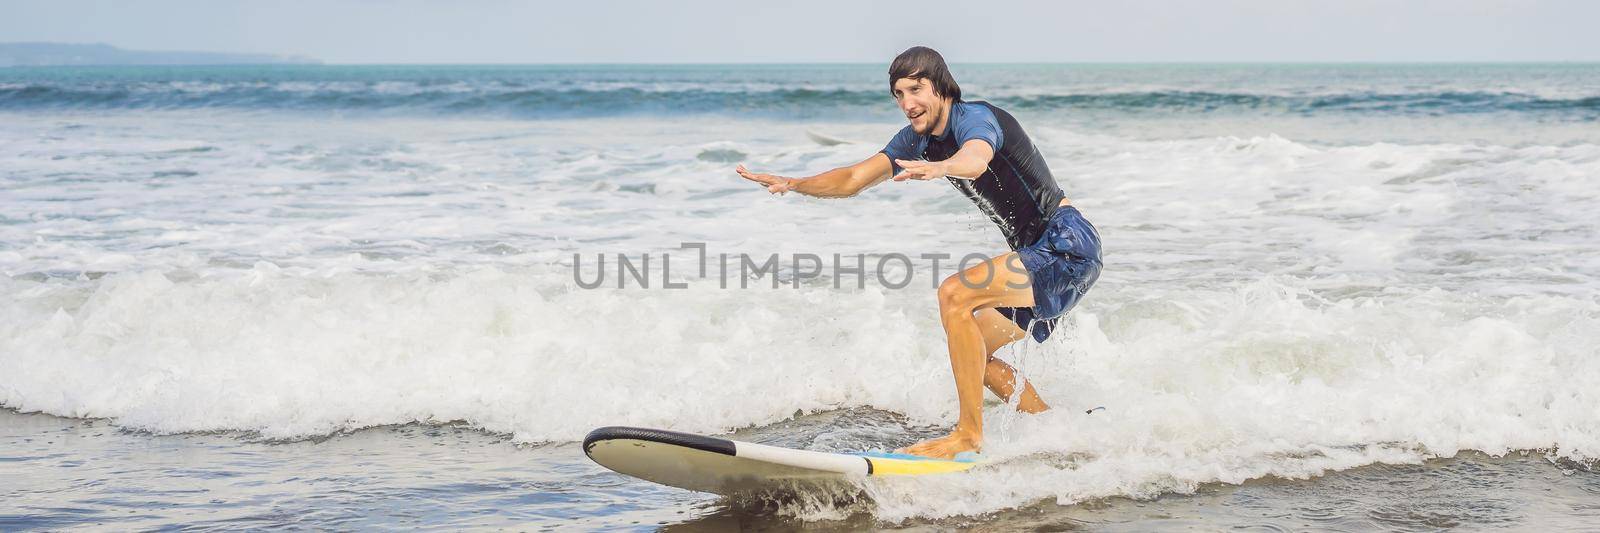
<point x="1055" y="255"/>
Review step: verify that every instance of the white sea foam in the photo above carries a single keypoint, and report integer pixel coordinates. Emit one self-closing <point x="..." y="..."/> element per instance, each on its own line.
<point x="1272" y="380"/>
<point x="1199" y="385"/>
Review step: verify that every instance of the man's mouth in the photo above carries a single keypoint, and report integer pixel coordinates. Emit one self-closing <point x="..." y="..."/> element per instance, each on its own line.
<point x="914" y="117"/>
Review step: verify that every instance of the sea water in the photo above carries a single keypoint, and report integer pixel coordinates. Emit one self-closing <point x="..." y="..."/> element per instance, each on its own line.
<point x="353" y="296"/>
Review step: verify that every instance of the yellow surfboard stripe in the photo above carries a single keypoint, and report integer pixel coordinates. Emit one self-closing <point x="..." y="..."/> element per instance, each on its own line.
<point x="883" y="466"/>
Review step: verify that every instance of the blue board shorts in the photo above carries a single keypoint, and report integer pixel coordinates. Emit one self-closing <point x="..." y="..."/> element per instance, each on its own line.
<point x="1064" y="263"/>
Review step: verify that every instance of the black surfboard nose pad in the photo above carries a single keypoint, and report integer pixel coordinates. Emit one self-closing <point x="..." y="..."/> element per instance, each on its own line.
<point x="690" y="440"/>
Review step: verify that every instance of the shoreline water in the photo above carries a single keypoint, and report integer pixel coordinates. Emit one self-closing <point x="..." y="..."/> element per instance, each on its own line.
<point x="73" y="473"/>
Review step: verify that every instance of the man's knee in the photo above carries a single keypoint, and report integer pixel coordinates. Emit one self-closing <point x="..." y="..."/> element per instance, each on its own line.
<point x="955" y="296"/>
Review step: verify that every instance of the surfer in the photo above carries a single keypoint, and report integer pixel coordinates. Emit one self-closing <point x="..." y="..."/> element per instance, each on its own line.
<point x="983" y="152"/>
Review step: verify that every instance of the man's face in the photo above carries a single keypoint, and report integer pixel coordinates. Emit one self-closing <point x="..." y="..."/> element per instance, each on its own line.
<point x="923" y="107"/>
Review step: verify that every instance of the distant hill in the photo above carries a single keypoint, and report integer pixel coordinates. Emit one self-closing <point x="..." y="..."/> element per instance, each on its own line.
<point x="54" y="54"/>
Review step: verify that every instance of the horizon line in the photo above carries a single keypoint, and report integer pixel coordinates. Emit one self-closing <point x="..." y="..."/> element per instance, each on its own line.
<point x="324" y="63"/>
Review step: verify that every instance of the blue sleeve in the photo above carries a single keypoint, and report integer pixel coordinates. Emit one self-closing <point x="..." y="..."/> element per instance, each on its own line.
<point x="978" y="122"/>
<point x="902" y="146"/>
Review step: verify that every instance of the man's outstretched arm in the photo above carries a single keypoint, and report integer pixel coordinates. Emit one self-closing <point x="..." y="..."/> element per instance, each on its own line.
<point x="968" y="163"/>
<point x="837" y="183"/>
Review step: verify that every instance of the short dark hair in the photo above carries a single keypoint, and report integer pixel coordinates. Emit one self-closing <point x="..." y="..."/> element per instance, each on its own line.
<point x="921" y="62"/>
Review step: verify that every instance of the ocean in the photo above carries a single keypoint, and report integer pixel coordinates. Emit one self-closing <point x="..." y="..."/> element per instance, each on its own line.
<point x="1341" y="297"/>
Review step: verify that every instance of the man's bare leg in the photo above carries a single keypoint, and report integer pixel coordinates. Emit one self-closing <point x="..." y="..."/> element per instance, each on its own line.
<point x="998" y="376"/>
<point x="981" y="287"/>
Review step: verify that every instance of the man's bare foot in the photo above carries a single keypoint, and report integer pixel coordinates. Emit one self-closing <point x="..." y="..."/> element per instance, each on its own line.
<point x="1032" y="404"/>
<point x="945" y="447"/>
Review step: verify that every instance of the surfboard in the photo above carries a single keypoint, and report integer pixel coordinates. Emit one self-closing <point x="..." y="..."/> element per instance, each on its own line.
<point x="730" y="467"/>
<point x="825" y="139"/>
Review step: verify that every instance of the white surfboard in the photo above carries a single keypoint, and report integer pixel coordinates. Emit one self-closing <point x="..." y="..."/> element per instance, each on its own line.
<point x="826" y="140"/>
<point x="730" y="467"/>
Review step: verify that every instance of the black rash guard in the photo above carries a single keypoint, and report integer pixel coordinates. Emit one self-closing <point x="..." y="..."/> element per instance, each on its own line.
<point x="1017" y="191"/>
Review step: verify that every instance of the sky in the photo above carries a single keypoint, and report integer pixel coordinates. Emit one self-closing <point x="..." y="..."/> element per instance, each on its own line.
<point x="828" y="31"/>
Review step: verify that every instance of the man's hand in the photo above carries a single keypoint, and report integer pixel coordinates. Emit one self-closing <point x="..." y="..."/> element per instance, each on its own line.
<point x="921" y="170"/>
<point x="774" y="184"/>
<point x="969" y="163"/>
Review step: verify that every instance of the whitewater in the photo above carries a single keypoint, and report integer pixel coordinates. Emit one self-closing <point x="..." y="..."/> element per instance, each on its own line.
<point x="1309" y="271"/>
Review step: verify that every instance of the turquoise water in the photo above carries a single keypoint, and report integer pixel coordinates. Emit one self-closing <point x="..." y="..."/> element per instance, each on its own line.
<point x="1556" y="92"/>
